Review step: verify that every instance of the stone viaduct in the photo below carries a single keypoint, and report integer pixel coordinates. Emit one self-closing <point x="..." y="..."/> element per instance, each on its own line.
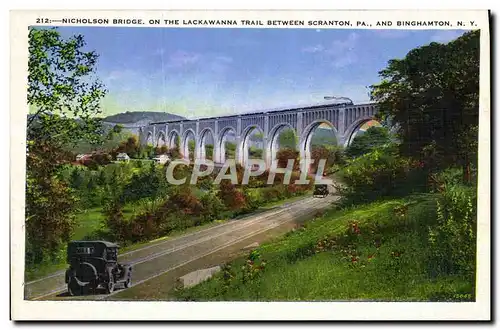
<point x="344" y="119"/>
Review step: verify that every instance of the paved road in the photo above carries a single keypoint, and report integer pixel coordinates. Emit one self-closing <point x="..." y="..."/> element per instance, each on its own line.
<point x="159" y="258"/>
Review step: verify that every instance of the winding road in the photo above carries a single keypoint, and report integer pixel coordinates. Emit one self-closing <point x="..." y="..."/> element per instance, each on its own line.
<point x="168" y="255"/>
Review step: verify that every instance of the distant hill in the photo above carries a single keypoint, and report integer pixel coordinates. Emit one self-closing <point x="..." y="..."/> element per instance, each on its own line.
<point x="131" y="117"/>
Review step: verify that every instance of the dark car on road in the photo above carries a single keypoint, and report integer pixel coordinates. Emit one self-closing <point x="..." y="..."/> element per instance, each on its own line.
<point x="321" y="190"/>
<point x="93" y="265"/>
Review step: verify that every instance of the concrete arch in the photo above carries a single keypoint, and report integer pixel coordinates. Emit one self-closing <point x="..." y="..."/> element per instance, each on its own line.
<point x="161" y="140"/>
<point x="272" y="139"/>
<point x="220" y="147"/>
<point x="172" y="135"/>
<point x="201" y="142"/>
<point x="149" y="138"/>
<point x="243" y="147"/>
<point x="141" y="135"/>
<point x="354" y="127"/>
<point x="185" y="142"/>
<point x="306" y="136"/>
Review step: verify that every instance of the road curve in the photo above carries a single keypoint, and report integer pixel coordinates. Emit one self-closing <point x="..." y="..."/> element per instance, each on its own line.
<point x="159" y="258"/>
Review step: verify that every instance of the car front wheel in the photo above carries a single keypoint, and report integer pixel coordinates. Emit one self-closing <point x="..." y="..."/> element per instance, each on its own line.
<point x="128" y="282"/>
<point x="110" y="287"/>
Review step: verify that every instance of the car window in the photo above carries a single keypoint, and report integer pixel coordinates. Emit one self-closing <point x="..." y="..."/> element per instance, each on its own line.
<point x="111" y="254"/>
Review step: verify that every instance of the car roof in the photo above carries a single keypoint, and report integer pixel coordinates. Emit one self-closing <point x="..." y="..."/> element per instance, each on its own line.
<point x="107" y="244"/>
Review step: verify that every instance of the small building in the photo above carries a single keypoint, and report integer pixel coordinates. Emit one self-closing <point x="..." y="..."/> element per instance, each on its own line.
<point x="161" y="159"/>
<point x="82" y="157"/>
<point x="123" y="157"/>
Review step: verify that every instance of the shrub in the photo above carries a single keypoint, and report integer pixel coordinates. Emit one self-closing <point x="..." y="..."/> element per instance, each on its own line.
<point x="453" y="240"/>
<point x="274" y="193"/>
<point x="253" y="267"/>
<point x="379" y="174"/>
<point x="254" y="198"/>
<point x="182" y="199"/>
<point x="232" y="198"/>
<point x="114" y="220"/>
<point x="212" y="207"/>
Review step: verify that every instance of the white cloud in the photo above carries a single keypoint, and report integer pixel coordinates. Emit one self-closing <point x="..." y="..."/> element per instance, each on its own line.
<point x="446" y="35"/>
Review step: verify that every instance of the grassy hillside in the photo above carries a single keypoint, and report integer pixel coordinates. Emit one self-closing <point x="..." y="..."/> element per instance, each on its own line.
<point x="378" y="251"/>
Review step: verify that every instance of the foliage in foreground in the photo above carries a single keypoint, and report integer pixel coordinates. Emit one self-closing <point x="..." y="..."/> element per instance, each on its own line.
<point x="432" y="94"/>
<point x="379" y="251"/>
<point x="61" y="87"/>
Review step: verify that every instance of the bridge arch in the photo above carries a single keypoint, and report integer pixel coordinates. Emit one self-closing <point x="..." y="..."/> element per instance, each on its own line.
<point x="306" y="137"/>
<point x="173" y="138"/>
<point x="161" y="140"/>
<point x="189" y="133"/>
<point x="201" y="145"/>
<point x="221" y="143"/>
<point x="274" y="133"/>
<point x="149" y="138"/>
<point x="354" y="127"/>
<point x="245" y="142"/>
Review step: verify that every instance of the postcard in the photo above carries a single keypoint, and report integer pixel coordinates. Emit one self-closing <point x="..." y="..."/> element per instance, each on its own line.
<point x="250" y="165"/>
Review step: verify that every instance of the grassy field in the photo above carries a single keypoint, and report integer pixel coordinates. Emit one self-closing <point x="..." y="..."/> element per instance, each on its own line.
<point x="88" y="222"/>
<point x="373" y="252"/>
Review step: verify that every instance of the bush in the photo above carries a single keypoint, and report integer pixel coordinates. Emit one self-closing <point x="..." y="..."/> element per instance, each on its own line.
<point x="212" y="207"/>
<point x="453" y="240"/>
<point x="232" y="198"/>
<point x="184" y="200"/>
<point x="379" y="174"/>
<point x="114" y="221"/>
<point x="274" y="193"/>
<point x="254" y="198"/>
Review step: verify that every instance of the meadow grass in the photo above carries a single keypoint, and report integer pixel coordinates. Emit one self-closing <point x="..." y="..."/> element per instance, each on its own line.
<point x="387" y="260"/>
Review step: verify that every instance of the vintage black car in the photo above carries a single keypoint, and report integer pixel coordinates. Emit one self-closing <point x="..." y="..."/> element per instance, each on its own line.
<point x="94" y="264"/>
<point x="321" y="190"/>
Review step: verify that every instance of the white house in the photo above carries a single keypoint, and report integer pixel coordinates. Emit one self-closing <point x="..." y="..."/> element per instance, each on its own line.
<point x="161" y="159"/>
<point x="123" y="157"/>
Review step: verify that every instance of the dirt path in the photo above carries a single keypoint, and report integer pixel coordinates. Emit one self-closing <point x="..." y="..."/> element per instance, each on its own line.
<point x="173" y="254"/>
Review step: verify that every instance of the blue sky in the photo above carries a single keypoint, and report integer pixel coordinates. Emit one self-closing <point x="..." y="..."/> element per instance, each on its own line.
<point x="197" y="72"/>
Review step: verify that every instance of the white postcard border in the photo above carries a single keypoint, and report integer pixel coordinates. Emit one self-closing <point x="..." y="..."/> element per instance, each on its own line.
<point x="99" y="310"/>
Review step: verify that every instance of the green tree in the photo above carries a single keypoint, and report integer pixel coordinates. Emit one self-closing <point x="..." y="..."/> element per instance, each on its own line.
<point x="432" y="94"/>
<point x="64" y="98"/>
<point x="146" y="183"/>
<point x="372" y="138"/>
<point x="287" y="139"/>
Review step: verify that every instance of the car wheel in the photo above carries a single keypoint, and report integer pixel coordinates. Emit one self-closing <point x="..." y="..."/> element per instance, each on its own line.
<point x="74" y="289"/>
<point x="110" y="287"/>
<point x="128" y="282"/>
